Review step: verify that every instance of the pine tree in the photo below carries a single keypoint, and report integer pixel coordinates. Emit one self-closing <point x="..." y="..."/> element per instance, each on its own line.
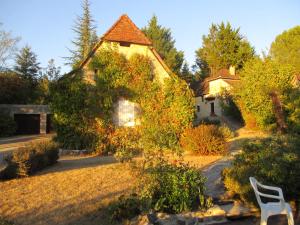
<point x="164" y="43"/>
<point x="186" y="73"/>
<point x="28" y="68"/>
<point x="86" y="36"/>
<point x="26" y="65"/>
<point x="224" y="46"/>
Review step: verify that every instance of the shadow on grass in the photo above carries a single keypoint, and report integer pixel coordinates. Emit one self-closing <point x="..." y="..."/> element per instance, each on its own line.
<point x="73" y="163"/>
<point x="89" y="212"/>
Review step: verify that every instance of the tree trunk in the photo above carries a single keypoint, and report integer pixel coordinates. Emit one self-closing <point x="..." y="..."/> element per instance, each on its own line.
<point x="278" y="111"/>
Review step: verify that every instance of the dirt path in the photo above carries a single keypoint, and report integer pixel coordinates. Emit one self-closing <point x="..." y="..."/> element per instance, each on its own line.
<point x="214" y="184"/>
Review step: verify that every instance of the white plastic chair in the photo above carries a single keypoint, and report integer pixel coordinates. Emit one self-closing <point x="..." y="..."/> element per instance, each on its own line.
<point x="271" y="208"/>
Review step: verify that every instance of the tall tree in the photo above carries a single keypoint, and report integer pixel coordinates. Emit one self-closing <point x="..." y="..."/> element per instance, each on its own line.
<point x="185" y="73"/>
<point x="27" y="65"/>
<point x="164" y="43"/>
<point x="86" y="36"/>
<point x="52" y="72"/>
<point x="8" y="47"/>
<point x="286" y="48"/>
<point x="224" y="46"/>
<point x="28" y="69"/>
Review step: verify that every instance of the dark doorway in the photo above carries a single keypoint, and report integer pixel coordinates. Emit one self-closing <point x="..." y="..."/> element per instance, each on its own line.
<point x="212" y="109"/>
<point x="27" y="123"/>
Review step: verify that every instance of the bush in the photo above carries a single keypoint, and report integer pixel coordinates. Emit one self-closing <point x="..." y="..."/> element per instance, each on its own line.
<point x="5" y="222"/>
<point x="173" y="187"/>
<point x="226" y="131"/>
<point x="126" y="207"/>
<point x="30" y="159"/>
<point x="204" y="140"/>
<point x="7" y="125"/>
<point x="125" y="142"/>
<point x="273" y="161"/>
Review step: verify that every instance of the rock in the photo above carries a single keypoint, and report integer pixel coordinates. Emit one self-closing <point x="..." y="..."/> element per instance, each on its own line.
<point x="215" y="211"/>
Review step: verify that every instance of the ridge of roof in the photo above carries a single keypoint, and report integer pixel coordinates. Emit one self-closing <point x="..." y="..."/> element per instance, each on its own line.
<point x="125" y="30"/>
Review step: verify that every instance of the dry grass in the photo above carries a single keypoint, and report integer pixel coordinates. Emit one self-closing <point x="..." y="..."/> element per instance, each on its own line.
<point x="75" y="191"/>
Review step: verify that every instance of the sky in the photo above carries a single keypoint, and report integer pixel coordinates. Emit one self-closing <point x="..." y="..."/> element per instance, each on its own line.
<point x="46" y="25"/>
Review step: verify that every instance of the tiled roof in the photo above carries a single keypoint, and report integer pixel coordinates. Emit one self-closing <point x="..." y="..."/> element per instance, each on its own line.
<point x="124" y="30"/>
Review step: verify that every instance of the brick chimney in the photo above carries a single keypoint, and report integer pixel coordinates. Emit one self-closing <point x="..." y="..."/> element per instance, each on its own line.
<point x="232" y="70"/>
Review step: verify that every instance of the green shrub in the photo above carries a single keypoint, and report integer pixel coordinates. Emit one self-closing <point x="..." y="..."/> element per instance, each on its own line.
<point x="207" y="121"/>
<point x="173" y="187"/>
<point x="204" y="140"/>
<point x="30" y="159"/>
<point x="125" y="142"/>
<point x="226" y="131"/>
<point x="126" y="207"/>
<point x="5" y="222"/>
<point x="7" y="125"/>
<point x="273" y="161"/>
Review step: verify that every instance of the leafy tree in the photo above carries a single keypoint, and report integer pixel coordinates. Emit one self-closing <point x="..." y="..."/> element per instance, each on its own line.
<point x="164" y="43"/>
<point x="8" y="46"/>
<point x="27" y="65"/>
<point x="52" y="72"/>
<point x="14" y="89"/>
<point x="86" y="36"/>
<point x="265" y="85"/>
<point x="286" y="48"/>
<point x="224" y="46"/>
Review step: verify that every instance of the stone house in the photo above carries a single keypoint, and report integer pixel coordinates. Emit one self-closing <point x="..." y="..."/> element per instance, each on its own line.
<point x="128" y="39"/>
<point x="208" y="101"/>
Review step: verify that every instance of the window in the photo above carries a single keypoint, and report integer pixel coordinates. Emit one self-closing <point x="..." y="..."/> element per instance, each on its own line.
<point x="126" y="113"/>
<point x="125" y="44"/>
<point x="198" y="108"/>
<point x="212" y="109"/>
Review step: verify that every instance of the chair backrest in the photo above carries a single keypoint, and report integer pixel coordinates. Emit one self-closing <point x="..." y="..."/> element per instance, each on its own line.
<point x="253" y="182"/>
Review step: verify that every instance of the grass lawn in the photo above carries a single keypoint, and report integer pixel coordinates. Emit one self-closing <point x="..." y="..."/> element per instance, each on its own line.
<point x="74" y="191"/>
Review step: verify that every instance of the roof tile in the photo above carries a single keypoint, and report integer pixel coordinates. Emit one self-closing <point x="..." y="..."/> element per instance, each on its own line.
<point x="124" y="30"/>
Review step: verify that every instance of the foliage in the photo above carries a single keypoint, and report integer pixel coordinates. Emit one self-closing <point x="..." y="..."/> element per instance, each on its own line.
<point x="173" y="187"/>
<point x="5" y="222"/>
<point x="27" y="65"/>
<point x="204" y="140"/>
<point x="86" y="36"/>
<point x="126" y="207"/>
<point x="230" y="108"/>
<point x="271" y="161"/>
<point x="259" y="80"/>
<point x="186" y="74"/>
<point x="226" y="131"/>
<point x="30" y="159"/>
<point x="166" y="110"/>
<point x="28" y="68"/>
<point x="292" y="108"/>
<point x="8" y="46"/>
<point x="52" y="72"/>
<point x="7" y="125"/>
<point x="14" y="89"/>
<point x="75" y="120"/>
<point x="164" y="43"/>
<point x="224" y="46"/>
<point x="285" y="48"/>
<point x="125" y="141"/>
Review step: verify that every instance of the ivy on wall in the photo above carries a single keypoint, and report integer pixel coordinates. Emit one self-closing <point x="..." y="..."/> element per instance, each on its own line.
<point x="84" y="111"/>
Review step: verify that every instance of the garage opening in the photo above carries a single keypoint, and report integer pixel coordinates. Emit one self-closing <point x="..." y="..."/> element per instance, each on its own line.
<point x="27" y="123"/>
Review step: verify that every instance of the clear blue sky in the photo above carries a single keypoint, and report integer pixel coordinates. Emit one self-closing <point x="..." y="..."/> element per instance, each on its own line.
<point x="46" y="24"/>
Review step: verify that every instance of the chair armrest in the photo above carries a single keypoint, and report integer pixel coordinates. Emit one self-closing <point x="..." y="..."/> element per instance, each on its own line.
<point x="279" y="190"/>
<point x="271" y="196"/>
